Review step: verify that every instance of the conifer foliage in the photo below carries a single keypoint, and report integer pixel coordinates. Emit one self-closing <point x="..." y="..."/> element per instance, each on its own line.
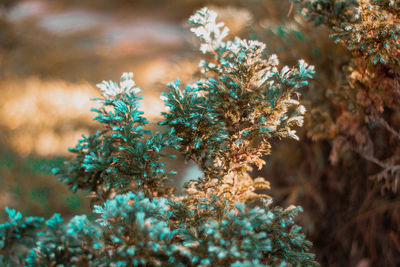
<point x="369" y="94"/>
<point x="223" y="122"/>
<point x="353" y="122"/>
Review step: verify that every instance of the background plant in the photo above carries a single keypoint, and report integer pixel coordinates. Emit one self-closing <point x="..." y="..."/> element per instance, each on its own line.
<point x="346" y="163"/>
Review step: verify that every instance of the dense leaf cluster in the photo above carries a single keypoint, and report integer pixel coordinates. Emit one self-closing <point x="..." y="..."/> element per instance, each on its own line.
<point x="226" y="119"/>
<point x="101" y="164"/>
<point x="367" y="98"/>
<point x="352" y="156"/>
<point x="370" y="27"/>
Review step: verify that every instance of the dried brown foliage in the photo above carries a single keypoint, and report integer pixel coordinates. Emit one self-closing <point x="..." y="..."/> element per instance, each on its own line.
<point x="345" y="173"/>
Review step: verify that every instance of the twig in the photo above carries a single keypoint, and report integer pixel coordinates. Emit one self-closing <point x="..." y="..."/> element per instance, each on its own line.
<point x="386" y="125"/>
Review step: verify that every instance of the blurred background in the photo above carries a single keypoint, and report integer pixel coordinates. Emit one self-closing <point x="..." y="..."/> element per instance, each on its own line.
<point x="54" y="52"/>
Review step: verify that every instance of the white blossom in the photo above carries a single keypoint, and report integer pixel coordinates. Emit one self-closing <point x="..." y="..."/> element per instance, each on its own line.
<point x="208" y="30"/>
<point x="302" y="110"/>
<point x="111" y="89"/>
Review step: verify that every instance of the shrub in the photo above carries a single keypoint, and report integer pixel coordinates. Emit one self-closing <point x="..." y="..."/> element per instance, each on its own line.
<point x="223" y="122"/>
<point x="346" y="168"/>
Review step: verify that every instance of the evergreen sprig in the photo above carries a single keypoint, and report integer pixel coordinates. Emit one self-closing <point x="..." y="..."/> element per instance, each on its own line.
<point x="124" y="156"/>
<point x="226" y="119"/>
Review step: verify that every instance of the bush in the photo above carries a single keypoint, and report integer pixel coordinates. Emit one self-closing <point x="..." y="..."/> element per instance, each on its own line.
<point x="224" y="122"/>
<point x="344" y="172"/>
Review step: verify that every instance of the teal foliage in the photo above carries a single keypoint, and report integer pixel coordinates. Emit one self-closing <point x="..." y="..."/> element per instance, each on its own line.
<point x="224" y="123"/>
<point x="131" y="230"/>
<point x="369" y="27"/>
<point x="242" y="234"/>
<point x="328" y="12"/>
<point x="135" y="232"/>
<point x="253" y="263"/>
<point x="17" y="231"/>
<point x="68" y="244"/>
<point x="119" y="157"/>
<point x="241" y="102"/>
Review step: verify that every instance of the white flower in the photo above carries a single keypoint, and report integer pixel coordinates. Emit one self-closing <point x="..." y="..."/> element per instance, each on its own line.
<point x="111" y="89"/>
<point x="273" y="60"/>
<point x="126" y="81"/>
<point x="208" y="30"/>
<point x="292" y="134"/>
<point x="299" y="120"/>
<point x="291" y="101"/>
<point x="285" y="70"/>
<point x="302" y="110"/>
